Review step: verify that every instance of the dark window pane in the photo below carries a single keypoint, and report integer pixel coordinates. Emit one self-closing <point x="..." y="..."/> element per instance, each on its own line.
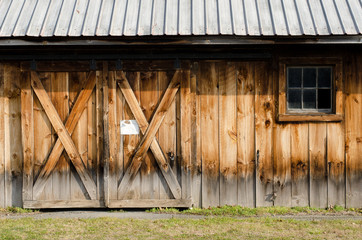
<point x="324" y="98"/>
<point x="309" y="77"/>
<point x="309" y="99"/>
<point x="324" y="77"/>
<point x="294" y="77"/>
<point x="294" y="98"/>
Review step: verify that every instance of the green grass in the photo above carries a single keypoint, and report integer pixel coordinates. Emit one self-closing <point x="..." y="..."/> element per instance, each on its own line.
<point x="207" y="228"/>
<point x="16" y="210"/>
<point x="261" y="211"/>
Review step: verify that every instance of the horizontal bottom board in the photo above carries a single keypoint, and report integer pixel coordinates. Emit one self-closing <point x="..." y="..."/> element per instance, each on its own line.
<point x="149" y="203"/>
<point x="130" y="203"/>
<point x="63" y="204"/>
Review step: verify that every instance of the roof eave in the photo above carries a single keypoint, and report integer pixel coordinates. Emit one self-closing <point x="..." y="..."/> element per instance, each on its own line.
<point x="181" y="40"/>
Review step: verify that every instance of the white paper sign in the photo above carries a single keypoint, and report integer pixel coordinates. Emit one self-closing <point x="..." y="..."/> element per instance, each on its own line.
<point x="129" y="127"/>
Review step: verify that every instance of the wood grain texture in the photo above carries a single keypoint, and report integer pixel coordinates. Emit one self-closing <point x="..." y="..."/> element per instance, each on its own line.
<point x="54" y="204"/>
<point x="2" y="139"/>
<point x="299" y="164"/>
<point x="310" y="118"/>
<point x="63" y="134"/>
<point x="160" y="157"/>
<point x="150" y="203"/>
<point x="27" y="128"/>
<point x="185" y="134"/>
<point x="106" y="144"/>
<point x="130" y="142"/>
<point x="13" y="148"/>
<point x="99" y="139"/>
<point x="209" y="124"/>
<point x="79" y="135"/>
<point x="281" y="153"/>
<point x="119" y="138"/>
<point x="7" y="150"/>
<point x="149" y="100"/>
<point x="196" y="167"/>
<point x="92" y="134"/>
<point x="43" y="142"/>
<point x="60" y="98"/>
<point x="318" y="165"/>
<point x="228" y="134"/>
<point x="353" y="128"/>
<point x="245" y="132"/>
<point x="336" y="166"/>
<point x="282" y="165"/>
<point x="149" y="134"/>
<point x="264" y="121"/>
<point x="112" y="121"/>
<point x="167" y="135"/>
<point x="71" y="123"/>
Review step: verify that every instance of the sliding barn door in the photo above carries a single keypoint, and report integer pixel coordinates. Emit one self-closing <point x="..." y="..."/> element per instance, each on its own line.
<point x="148" y="166"/>
<point x="60" y="115"/>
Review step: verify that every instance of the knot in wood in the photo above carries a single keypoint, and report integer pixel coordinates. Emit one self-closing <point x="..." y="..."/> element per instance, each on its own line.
<point x="267" y="123"/>
<point x="267" y="106"/>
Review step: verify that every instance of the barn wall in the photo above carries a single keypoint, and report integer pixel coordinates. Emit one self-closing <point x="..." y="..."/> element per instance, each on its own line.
<point x="249" y="158"/>
<point x="240" y="154"/>
<point x="11" y="157"/>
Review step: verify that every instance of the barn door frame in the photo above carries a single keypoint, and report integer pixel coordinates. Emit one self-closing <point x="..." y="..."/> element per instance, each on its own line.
<point x="31" y="87"/>
<point x="181" y="192"/>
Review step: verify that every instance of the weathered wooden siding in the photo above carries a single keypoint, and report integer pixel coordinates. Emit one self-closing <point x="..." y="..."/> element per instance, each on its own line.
<point x="353" y="130"/>
<point x="221" y="129"/>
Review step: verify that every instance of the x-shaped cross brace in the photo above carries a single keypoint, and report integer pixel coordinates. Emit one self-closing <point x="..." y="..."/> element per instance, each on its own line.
<point x="149" y="131"/>
<point x="64" y="134"/>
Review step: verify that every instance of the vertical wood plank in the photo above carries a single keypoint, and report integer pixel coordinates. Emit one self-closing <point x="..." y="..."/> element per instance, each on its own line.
<point x="264" y="121"/>
<point x="7" y="153"/>
<point x="245" y="132"/>
<point x="43" y="138"/>
<point x="13" y="150"/>
<point x="92" y="136"/>
<point x="167" y="133"/>
<point x="99" y="122"/>
<point x="177" y="166"/>
<point x="27" y="135"/>
<point x="196" y="167"/>
<point x="149" y="168"/>
<point x="318" y="165"/>
<point x="228" y="134"/>
<point x="130" y="142"/>
<point x="353" y="112"/>
<point x="119" y="137"/>
<point x="299" y="164"/>
<point x="113" y="166"/>
<point x="106" y="152"/>
<point x="281" y="152"/>
<point x="60" y="99"/>
<point x="2" y="139"/>
<point x="185" y="108"/>
<point x="210" y="134"/>
<point x="79" y="136"/>
<point x="282" y="165"/>
<point x="335" y="148"/>
<point x="336" y="167"/>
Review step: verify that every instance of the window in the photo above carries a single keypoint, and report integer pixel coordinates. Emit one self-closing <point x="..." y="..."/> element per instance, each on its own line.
<point x="310" y="90"/>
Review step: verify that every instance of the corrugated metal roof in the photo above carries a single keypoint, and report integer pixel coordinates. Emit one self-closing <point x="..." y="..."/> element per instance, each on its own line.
<point x="46" y="18"/>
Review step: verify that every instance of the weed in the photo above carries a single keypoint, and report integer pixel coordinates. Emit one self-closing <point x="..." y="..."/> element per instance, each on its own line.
<point x="16" y="210"/>
<point x="163" y="210"/>
<point x="260" y="211"/>
<point x="117" y="210"/>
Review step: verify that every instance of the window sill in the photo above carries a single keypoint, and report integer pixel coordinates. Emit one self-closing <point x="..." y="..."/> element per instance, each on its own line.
<point x="310" y="118"/>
